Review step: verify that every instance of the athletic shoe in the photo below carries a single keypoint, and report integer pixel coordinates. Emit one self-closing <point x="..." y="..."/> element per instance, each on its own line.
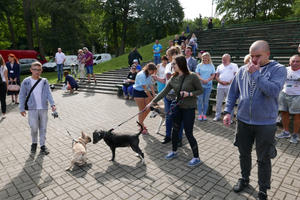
<point x="216" y="119"/>
<point x="294" y="138"/>
<point x="4" y="116"/>
<point x="166" y="140"/>
<point x="283" y="135"/>
<point x="179" y="143"/>
<point x="172" y="154"/>
<point x="262" y="196"/>
<point x="200" y="118"/>
<point x="194" y="162"/>
<point x="241" y="184"/>
<point x="127" y="98"/>
<point x="33" y="147"/>
<point x="44" y="150"/>
<point x="204" y="117"/>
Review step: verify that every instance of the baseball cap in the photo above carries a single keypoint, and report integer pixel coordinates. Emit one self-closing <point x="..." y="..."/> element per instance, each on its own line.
<point x="135" y="60"/>
<point x="202" y="52"/>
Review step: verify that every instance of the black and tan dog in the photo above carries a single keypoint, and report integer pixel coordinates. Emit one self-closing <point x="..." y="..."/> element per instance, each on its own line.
<point x="114" y="140"/>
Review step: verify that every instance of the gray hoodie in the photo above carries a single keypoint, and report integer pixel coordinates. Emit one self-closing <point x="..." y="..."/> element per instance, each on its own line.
<point x="24" y="91"/>
<point x="262" y="107"/>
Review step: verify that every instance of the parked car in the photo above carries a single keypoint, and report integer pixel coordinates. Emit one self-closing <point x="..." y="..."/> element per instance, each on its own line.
<point x="51" y="65"/>
<point x="25" y="64"/>
<point x="100" y="58"/>
<point x="20" y="54"/>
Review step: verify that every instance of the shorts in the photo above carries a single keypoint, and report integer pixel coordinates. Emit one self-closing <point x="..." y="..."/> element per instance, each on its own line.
<point x="289" y="103"/>
<point x="139" y="94"/>
<point x="89" y="69"/>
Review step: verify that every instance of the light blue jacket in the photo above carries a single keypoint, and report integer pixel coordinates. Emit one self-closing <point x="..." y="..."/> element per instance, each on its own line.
<point x="262" y="107"/>
<point x="24" y="91"/>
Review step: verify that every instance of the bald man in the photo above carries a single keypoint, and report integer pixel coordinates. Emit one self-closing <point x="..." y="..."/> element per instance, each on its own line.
<point x="289" y="99"/>
<point x="224" y="75"/>
<point x="257" y="85"/>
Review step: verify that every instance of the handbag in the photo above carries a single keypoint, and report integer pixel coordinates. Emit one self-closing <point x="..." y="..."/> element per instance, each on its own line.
<point x="174" y="104"/>
<point x="27" y="98"/>
<point x="127" y="84"/>
<point x="13" y="87"/>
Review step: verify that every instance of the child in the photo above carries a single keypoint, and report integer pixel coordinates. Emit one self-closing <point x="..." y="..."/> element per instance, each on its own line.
<point x="37" y="105"/>
<point x="69" y="79"/>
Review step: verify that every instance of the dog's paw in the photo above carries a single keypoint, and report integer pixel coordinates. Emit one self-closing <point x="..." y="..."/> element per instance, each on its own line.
<point x="137" y="155"/>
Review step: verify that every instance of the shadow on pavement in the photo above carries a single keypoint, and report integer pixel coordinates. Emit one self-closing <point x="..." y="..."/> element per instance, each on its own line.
<point x="29" y="181"/>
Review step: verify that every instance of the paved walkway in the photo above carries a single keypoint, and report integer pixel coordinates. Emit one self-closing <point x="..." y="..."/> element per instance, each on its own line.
<point x="25" y="176"/>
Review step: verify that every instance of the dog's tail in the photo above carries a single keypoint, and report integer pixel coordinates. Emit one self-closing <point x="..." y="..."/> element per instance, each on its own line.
<point x="141" y="127"/>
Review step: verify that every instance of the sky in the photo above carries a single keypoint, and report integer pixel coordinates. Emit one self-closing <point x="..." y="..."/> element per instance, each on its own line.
<point x="192" y="8"/>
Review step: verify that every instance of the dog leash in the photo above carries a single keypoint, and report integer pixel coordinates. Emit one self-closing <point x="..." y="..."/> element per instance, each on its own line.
<point x="171" y="109"/>
<point x="55" y="115"/>
<point x="127" y="120"/>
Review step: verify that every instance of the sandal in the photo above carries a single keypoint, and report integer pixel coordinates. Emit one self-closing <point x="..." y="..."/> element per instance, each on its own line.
<point x="145" y="131"/>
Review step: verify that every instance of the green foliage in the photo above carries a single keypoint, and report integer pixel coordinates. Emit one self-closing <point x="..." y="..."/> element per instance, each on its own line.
<point x="237" y="11"/>
<point x="158" y="19"/>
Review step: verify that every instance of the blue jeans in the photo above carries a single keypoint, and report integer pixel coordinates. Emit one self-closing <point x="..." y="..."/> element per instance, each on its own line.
<point x="169" y="123"/>
<point x="157" y="60"/>
<point x="194" y="49"/>
<point x="60" y="69"/>
<point x="203" y="101"/>
<point x="127" y="90"/>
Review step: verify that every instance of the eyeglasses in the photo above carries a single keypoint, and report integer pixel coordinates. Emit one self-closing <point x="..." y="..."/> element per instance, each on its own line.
<point x="36" y="70"/>
<point x="133" y="68"/>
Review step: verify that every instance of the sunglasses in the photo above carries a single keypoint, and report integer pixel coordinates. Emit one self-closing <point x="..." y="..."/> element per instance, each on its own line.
<point x="36" y="70"/>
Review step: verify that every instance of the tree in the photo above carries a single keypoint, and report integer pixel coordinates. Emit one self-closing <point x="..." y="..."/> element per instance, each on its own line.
<point x="254" y="10"/>
<point x="158" y="19"/>
<point x="28" y="22"/>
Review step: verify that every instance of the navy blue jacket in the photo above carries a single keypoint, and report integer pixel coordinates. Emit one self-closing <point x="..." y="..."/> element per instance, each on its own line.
<point x="13" y="72"/>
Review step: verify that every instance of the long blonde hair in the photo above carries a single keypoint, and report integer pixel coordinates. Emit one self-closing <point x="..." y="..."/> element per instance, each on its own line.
<point x="1" y="61"/>
<point x="208" y="57"/>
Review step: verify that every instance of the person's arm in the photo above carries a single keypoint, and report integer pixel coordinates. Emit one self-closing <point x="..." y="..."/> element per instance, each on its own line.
<point x="271" y="86"/>
<point x="161" y="95"/>
<point x="139" y="56"/>
<point x="22" y="98"/>
<point x="198" y="88"/>
<point x="6" y="78"/>
<point x="49" y="96"/>
<point x="161" y="80"/>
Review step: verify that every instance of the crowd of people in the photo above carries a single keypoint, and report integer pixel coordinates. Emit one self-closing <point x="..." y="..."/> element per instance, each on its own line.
<point x="260" y="89"/>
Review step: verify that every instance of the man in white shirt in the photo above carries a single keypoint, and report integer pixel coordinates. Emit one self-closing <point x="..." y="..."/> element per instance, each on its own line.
<point x="224" y="75"/>
<point x="191" y="62"/>
<point x="289" y="99"/>
<point x="60" y="59"/>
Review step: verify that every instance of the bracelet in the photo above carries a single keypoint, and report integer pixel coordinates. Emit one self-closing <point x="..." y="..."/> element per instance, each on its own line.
<point x="189" y="94"/>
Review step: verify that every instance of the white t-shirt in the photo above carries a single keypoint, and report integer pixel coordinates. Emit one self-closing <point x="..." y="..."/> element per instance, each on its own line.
<point x="161" y="71"/>
<point x="37" y="92"/>
<point x="292" y="83"/>
<point x="226" y="73"/>
<point x="2" y="70"/>
<point x="169" y="70"/>
<point x="60" y="57"/>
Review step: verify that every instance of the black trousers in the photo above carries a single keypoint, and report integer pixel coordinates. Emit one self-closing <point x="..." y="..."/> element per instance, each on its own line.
<point x="188" y="118"/>
<point x="3" y="90"/>
<point x="263" y="135"/>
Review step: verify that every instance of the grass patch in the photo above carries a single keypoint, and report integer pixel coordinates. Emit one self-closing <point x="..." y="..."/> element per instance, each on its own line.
<point x="115" y="63"/>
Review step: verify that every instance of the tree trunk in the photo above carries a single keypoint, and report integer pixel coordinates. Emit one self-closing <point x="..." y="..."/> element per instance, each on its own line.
<point x="37" y="29"/>
<point x="124" y="30"/>
<point x="53" y="27"/>
<point x="28" y="23"/>
<point x="11" y="31"/>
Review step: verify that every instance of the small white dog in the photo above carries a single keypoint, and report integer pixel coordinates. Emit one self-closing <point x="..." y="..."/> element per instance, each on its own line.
<point x="159" y="110"/>
<point x="79" y="150"/>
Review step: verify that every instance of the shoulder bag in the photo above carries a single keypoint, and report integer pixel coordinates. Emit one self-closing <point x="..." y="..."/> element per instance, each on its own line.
<point x="27" y="98"/>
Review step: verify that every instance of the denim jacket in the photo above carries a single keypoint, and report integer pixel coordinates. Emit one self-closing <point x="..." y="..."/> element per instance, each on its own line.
<point x="24" y="91"/>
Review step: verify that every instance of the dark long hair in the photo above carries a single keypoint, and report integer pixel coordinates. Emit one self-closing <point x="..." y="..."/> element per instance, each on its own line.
<point x="2" y="63"/>
<point x="182" y="64"/>
<point x="148" y="67"/>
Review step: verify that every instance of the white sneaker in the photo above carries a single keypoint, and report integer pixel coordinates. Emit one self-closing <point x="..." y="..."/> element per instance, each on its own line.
<point x="216" y="119"/>
<point x="4" y="116"/>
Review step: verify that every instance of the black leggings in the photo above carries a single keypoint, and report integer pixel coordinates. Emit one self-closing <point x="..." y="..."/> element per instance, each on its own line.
<point x="188" y="118"/>
<point x="3" y="90"/>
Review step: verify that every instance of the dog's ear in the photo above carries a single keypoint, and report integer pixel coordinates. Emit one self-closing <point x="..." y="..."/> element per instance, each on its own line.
<point x="82" y="135"/>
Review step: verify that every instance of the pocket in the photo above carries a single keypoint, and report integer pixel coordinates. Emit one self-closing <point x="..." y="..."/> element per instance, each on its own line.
<point x="273" y="151"/>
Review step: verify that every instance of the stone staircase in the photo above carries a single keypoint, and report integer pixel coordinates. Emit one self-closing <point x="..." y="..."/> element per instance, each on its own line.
<point x="105" y="82"/>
